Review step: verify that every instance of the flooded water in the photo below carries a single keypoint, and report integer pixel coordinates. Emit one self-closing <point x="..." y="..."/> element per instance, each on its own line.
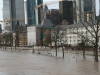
<point x="26" y="63"/>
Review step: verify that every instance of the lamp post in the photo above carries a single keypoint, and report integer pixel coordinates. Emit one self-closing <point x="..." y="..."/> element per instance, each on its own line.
<point x="83" y="47"/>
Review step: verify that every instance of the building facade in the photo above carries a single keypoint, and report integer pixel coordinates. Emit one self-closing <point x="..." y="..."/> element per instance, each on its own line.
<point x="36" y="34"/>
<point x="31" y="35"/>
<point x="25" y="10"/>
<point x="76" y="33"/>
<point x="0" y="34"/>
<point x="20" y="34"/>
<point x="13" y="10"/>
<point x="82" y="8"/>
<point x="42" y="31"/>
<point x="66" y="11"/>
<point x="33" y="13"/>
<point x="54" y="16"/>
<point x="7" y="12"/>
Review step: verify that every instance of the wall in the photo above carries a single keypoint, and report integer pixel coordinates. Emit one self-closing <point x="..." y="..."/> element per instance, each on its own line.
<point x="31" y="35"/>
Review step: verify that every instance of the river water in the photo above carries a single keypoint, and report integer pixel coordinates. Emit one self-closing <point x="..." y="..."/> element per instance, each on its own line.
<point x="26" y="63"/>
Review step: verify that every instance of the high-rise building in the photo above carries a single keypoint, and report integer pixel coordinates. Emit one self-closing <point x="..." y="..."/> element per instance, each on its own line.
<point x="7" y="13"/>
<point x="0" y="26"/>
<point x="66" y="11"/>
<point x="0" y="34"/>
<point x="32" y="13"/>
<point x="53" y="15"/>
<point x="13" y="10"/>
<point x="25" y="10"/>
<point x="89" y="6"/>
<point x="82" y="8"/>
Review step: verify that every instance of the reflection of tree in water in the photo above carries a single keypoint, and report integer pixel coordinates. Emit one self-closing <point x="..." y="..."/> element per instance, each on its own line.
<point x="96" y="66"/>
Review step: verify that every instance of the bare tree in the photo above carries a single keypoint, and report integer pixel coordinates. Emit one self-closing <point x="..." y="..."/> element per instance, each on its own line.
<point x="58" y="37"/>
<point x="62" y="39"/>
<point x="54" y="36"/>
<point x="93" y="29"/>
<point x="83" y="45"/>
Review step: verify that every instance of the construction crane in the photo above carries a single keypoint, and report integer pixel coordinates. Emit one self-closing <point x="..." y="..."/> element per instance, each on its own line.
<point x="42" y="5"/>
<point x="6" y="21"/>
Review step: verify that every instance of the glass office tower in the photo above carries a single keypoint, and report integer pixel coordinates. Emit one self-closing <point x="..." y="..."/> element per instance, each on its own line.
<point x="18" y="12"/>
<point x="65" y="11"/>
<point x="13" y="10"/>
<point x="82" y="7"/>
<point x="32" y="13"/>
<point x="7" y="12"/>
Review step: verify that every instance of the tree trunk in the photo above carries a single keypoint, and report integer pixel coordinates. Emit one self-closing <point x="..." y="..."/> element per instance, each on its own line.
<point x="96" y="51"/>
<point x="56" y="48"/>
<point x="63" y="50"/>
<point x="96" y="45"/>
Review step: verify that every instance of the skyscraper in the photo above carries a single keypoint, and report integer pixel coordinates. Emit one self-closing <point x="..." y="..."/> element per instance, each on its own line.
<point x="82" y="7"/>
<point x="7" y="12"/>
<point x="53" y="15"/>
<point x="32" y="13"/>
<point x="66" y="11"/>
<point x="25" y="10"/>
<point x="13" y="10"/>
